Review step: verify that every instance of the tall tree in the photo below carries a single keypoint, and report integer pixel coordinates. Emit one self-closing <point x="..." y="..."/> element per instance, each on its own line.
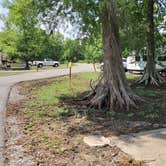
<point x="112" y="90"/>
<point x="150" y="76"/>
<point x="8" y="43"/>
<point x="23" y="18"/>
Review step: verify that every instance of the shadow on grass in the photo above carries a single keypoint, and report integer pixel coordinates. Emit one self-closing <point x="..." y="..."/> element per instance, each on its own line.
<point x="106" y="122"/>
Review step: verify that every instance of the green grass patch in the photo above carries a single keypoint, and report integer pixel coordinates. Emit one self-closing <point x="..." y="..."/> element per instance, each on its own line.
<point x="132" y="77"/>
<point x="48" y="97"/>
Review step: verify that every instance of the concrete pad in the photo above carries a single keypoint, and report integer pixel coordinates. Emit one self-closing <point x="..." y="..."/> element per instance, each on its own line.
<point x="96" y="140"/>
<point x="149" y="146"/>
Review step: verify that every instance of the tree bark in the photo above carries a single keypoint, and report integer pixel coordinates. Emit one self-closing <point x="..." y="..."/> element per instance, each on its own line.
<point x="150" y="76"/>
<point x="27" y="65"/>
<point x="112" y="90"/>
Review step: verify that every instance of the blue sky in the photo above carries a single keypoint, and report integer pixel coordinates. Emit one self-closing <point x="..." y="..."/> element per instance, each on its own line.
<point x="67" y="33"/>
<point x="2" y="11"/>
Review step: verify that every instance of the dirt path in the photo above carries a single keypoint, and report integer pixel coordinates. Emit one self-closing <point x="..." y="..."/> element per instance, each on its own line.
<point x="7" y="82"/>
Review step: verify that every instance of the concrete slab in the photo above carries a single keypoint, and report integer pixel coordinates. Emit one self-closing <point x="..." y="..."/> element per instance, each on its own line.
<point x="149" y="146"/>
<point x="96" y="140"/>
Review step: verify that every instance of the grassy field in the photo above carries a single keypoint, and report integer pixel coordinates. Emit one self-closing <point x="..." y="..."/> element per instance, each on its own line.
<point x="50" y="95"/>
<point x="57" y="123"/>
<point x="62" y="90"/>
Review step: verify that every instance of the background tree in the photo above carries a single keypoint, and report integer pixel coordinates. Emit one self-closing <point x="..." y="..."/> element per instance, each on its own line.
<point x="73" y="50"/>
<point x="8" y="43"/>
<point x="93" y="49"/>
<point x="53" y="47"/>
<point x="150" y="76"/>
<point x="22" y="18"/>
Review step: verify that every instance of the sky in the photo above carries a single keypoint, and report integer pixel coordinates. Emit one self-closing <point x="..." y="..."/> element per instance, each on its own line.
<point x="2" y="11"/>
<point x="68" y="33"/>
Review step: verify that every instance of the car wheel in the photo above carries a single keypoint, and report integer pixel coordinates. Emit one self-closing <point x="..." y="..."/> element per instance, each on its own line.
<point x="40" y="65"/>
<point x="56" y="65"/>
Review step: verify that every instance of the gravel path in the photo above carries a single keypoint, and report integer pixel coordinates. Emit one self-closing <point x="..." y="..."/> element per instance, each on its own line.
<point x="7" y="82"/>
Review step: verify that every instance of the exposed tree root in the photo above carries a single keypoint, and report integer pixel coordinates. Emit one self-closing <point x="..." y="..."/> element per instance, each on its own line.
<point x="103" y="95"/>
<point x="111" y="91"/>
<point x="153" y="79"/>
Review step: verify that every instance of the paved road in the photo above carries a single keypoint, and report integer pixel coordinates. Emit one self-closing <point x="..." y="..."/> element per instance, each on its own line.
<point x="7" y="82"/>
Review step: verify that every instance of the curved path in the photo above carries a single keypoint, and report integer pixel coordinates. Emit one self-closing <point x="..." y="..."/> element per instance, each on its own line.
<point x="7" y="82"/>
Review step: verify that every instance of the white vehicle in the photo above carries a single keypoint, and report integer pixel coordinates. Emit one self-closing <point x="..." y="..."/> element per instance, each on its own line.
<point x="46" y="62"/>
<point x="139" y="65"/>
<point x="133" y="65"/>
<point x="124" y="60"/>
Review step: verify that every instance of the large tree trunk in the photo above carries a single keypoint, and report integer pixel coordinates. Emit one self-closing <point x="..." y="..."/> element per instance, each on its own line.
<point x="112" y="90"/>
<point x="150" y="76"/>
<point x="27" y="67"/>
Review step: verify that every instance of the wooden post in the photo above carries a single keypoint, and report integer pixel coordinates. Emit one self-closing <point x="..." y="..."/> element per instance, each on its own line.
<point x="70" y="73"/>
<point x="70" y="66"/>
<point x="94" y="66"/>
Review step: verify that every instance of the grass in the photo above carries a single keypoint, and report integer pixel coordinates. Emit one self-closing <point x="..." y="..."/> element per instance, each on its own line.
<point x="132" y="77"/>
<point x="49" y="96"/>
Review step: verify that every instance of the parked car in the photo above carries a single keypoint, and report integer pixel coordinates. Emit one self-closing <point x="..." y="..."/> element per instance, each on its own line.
<point x="46" y="62"/>
<point x="133" y="64"/>
<point x="138" y="65"/>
